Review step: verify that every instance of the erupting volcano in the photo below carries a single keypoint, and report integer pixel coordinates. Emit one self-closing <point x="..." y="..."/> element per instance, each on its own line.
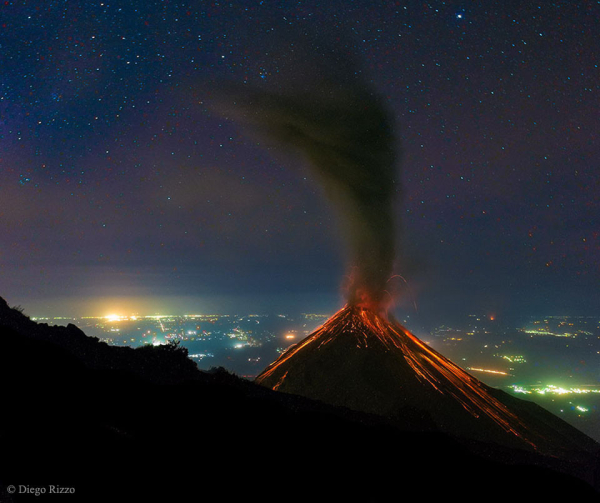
<point x="361" y="360"/>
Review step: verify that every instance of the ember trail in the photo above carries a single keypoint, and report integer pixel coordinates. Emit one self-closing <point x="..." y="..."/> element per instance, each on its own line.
<point x="413" y="365"/>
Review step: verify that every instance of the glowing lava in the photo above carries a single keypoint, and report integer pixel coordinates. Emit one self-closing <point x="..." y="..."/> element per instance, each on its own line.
<point x="361" y="360"/>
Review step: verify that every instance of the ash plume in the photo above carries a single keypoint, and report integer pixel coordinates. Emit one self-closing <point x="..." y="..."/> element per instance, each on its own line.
<point x="337" y="120"/>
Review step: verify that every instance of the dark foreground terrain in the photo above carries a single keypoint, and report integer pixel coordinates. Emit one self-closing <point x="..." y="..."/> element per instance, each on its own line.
<point x="122" y="424"/>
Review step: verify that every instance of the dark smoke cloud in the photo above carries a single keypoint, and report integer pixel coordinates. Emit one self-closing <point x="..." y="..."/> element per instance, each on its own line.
<point x="330" y="113"/>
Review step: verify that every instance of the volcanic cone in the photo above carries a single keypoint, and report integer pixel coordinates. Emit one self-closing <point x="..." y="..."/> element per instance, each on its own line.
<point x="363" y="361"/>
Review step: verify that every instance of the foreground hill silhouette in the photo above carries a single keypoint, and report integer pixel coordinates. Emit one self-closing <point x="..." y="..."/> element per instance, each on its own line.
<point x="122" y="424"/>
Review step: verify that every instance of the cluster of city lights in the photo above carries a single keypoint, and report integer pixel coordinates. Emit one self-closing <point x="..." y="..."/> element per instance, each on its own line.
<point x="515" y="359"/>
<point x="551" y="389"/>
<point x="558" y="390"/>
<point x="118" y="317"/>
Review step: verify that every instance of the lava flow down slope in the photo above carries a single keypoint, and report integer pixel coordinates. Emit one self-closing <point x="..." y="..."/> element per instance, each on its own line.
<point x="363" y="361"/>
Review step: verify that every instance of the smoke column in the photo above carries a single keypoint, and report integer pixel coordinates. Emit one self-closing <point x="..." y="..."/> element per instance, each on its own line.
<point x="340" y="124"/>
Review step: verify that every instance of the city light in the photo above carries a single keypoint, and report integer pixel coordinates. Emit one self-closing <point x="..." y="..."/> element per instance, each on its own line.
<point x="556" y="390"/>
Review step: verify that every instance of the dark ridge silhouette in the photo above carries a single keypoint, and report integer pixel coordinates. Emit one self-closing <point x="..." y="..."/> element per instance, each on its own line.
<point x="119" y="424"/>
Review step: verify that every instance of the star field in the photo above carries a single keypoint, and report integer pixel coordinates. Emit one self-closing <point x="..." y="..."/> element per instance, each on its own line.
<point x="119" y="178"/>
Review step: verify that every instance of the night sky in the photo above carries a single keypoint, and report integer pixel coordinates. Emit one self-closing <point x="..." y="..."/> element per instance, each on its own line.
<point x="123" y="188"/>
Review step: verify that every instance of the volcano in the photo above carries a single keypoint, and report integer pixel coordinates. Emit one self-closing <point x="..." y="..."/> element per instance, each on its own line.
<point x="364" y="361"/>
